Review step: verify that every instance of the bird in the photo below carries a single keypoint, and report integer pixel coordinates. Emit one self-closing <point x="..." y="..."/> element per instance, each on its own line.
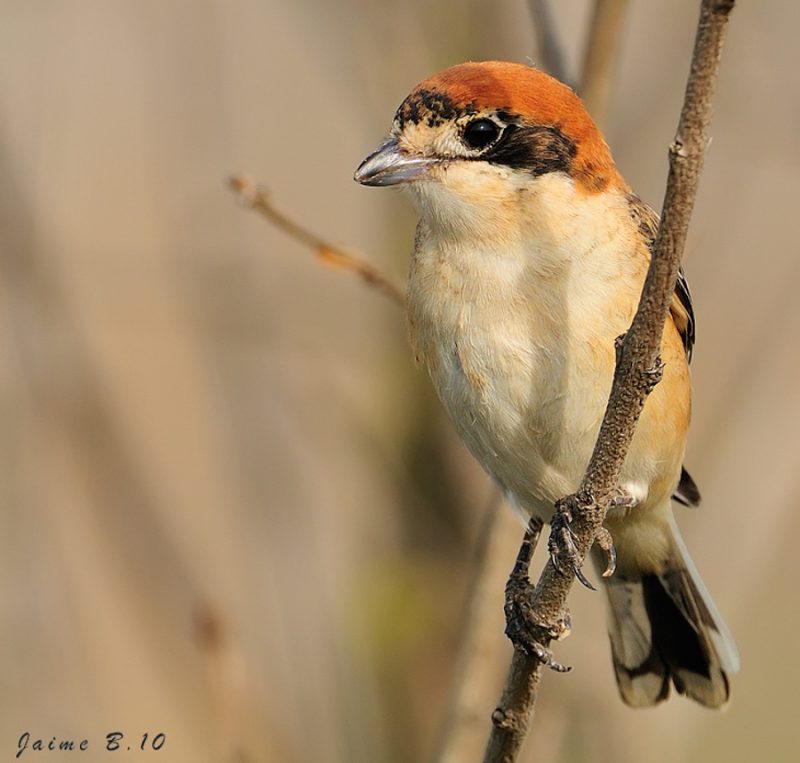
<point x="529" y="258"/>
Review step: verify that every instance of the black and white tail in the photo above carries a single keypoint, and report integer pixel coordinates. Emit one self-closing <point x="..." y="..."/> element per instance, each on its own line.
<point x="665" y="629"/>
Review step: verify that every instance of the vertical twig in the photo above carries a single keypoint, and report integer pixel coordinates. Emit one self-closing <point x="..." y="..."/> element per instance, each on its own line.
<point x="548" y="43"/>
<point x="600" y="57"/>
<point x="637" y="359"/>
<point x="480" y="650"/>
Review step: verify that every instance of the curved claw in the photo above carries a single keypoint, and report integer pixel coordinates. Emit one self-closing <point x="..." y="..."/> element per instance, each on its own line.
<point x="583" y="579"/>
<point x="606" y="543"/>
<point x="562" y="547"/>
<point x="523" y="634"/>
<point x="571" y="567"/>
<point x="557" y="666"/>
<point x="564" y="555"/>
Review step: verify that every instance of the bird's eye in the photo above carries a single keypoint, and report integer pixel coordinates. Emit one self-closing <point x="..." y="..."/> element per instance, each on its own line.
<point x="481" y="133"/>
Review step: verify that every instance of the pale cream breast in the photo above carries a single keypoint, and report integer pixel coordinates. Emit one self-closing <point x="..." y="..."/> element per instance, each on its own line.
<point x="517" y="329"/>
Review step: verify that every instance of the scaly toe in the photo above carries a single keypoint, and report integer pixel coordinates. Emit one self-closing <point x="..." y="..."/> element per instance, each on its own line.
<point x="606" y="543"/>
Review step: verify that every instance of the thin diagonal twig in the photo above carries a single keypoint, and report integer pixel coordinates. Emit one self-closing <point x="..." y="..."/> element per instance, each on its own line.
<point x="256" y="197"/>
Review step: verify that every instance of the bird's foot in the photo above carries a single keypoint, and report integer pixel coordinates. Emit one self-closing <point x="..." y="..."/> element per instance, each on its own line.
<point x="563" y="551"/>
<point x="648" y="377"/>
<point x="525" y="630"/>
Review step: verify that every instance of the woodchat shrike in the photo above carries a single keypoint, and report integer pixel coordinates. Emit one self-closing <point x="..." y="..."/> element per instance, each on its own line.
<point x="529" y="259"/>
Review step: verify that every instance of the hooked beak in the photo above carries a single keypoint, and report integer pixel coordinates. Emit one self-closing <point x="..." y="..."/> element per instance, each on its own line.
<point x="390" y="165"/>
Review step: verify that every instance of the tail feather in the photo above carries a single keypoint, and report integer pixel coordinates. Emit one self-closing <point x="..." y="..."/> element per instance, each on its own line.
<point x="642" y="675"/>
<point x="664" y="628"/>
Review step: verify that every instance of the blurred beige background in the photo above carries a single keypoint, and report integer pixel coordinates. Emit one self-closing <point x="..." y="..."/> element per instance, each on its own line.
<point x="230" y="509"/>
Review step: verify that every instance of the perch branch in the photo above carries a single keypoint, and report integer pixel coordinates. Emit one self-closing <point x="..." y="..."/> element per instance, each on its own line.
<point x="600" y="57"/>
<point x="256" y="197"/>
<point x="637" y="363"/>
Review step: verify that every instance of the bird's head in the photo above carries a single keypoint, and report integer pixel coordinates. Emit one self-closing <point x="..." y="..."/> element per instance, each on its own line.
<point x="479" y="133"/>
